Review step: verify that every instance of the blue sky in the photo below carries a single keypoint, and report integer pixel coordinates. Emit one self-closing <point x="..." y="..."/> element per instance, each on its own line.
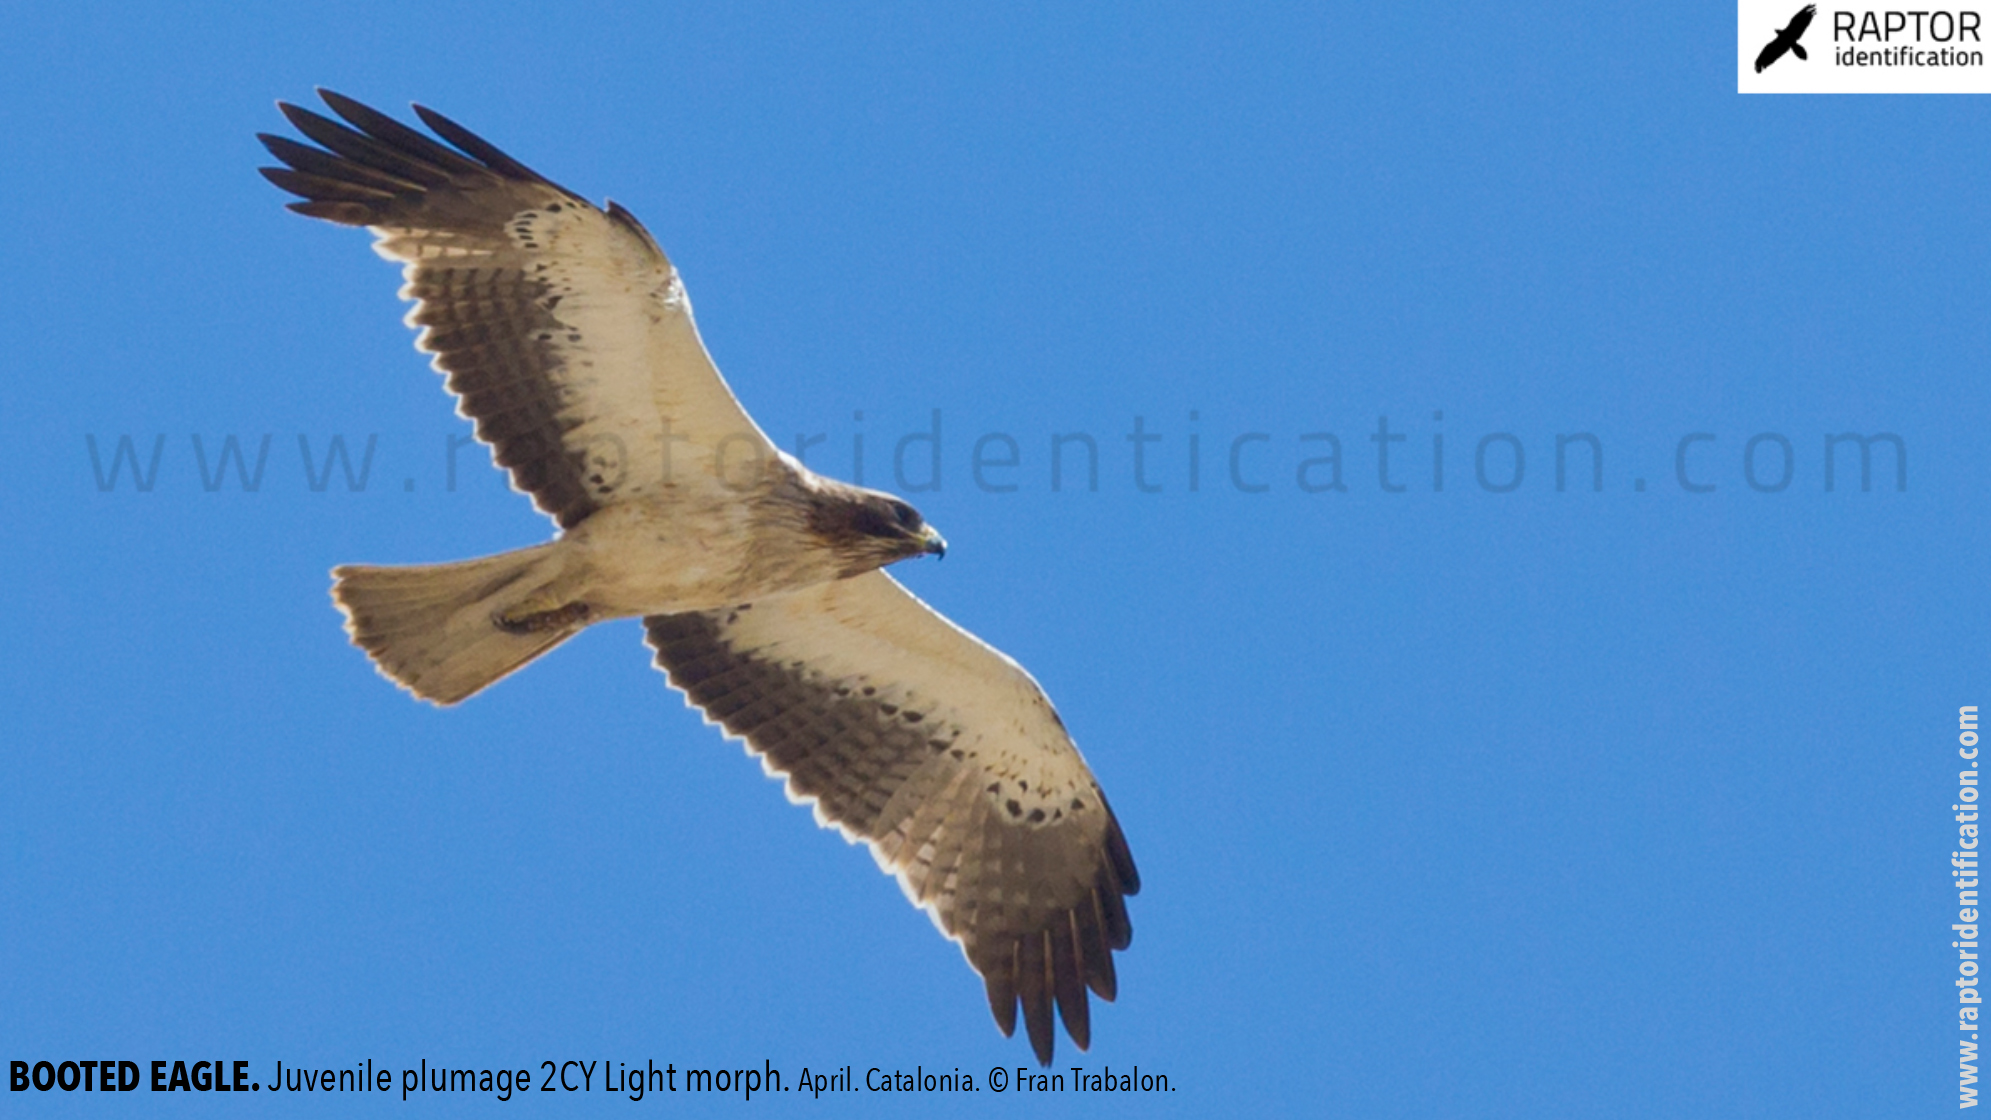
<point x="1481" y="798"/>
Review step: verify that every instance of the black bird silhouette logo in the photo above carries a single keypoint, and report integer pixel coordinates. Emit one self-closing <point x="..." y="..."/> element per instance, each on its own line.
<point x="1786" y="39"/>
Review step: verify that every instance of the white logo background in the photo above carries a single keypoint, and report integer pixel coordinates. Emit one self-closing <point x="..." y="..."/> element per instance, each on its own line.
<point x="1912" y="33"/>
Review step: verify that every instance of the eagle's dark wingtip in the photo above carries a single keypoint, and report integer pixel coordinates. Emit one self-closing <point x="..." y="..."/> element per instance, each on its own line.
<point x="484" y="151"/>
<point x="294" y="112"/>
<point x="1001" y="985"/>
<point x="334" y="98"/>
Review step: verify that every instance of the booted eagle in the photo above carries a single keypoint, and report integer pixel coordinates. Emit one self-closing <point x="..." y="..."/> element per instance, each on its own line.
<point x="567" y="337"/>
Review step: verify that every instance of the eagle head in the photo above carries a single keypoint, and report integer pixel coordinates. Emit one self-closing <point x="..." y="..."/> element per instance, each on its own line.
<point x="870" y="529"/>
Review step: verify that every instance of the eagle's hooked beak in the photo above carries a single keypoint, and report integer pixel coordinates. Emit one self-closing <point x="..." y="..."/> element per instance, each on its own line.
<point x="934" y="542"/>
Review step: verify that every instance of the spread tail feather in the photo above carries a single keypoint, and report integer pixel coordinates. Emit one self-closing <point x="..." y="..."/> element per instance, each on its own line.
<point x="446" y="631"/>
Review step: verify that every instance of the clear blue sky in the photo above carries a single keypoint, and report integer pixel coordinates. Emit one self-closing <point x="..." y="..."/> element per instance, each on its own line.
<point x="1498" y="799"/>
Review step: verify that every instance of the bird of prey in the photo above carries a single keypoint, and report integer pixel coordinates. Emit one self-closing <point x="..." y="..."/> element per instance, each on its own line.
<point x="1786" y="39"/>
<point x="567" y="337"/>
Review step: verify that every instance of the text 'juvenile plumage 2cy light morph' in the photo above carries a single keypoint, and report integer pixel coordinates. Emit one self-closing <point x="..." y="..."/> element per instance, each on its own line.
<point x="567" y="338"/>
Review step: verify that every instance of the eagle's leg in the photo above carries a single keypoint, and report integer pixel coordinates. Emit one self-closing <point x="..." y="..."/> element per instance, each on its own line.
<point x="522" y="619"/>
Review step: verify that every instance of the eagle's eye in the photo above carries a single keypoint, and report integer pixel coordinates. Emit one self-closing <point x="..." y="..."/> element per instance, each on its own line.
<point x="907" y="516"/>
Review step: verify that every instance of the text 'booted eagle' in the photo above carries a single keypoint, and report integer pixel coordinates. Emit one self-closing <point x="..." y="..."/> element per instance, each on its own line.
<point x="567" y="338"/>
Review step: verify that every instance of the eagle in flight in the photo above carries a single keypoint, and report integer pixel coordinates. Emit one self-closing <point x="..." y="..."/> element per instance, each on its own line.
<point x="567" y="338"/>
<point x="1787" y="39"/>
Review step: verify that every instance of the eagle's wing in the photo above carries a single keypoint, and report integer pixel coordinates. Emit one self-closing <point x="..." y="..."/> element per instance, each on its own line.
<point x="1799" y="22"/>
<point x="562" y="328"/>
<point x="943" y="756"/>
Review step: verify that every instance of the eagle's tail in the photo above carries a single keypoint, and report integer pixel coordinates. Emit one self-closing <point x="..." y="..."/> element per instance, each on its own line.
<point x="1799" y="51"/>
<point x="446" y="631"/>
